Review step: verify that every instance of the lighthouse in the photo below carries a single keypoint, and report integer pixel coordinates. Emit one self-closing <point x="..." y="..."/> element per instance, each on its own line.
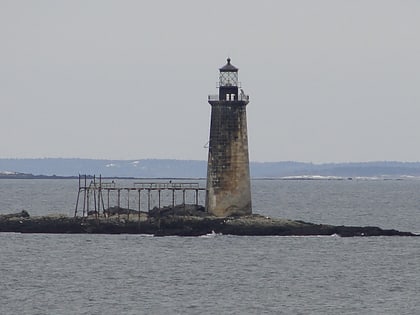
<point x="228" y="191"/>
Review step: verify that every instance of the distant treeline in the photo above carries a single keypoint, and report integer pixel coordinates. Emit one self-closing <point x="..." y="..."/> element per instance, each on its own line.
<point x="167" y="168"/>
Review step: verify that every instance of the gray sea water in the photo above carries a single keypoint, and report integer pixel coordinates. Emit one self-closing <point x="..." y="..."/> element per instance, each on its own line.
<point x="217" y="274"/>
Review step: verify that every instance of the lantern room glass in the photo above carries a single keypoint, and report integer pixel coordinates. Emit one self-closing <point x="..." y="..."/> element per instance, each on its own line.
<point x="228" y="78"/>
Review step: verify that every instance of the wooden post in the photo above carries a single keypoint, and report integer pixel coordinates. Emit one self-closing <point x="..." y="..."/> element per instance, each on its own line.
<point x="108" y="201"/>
<point x="94" y="196"/>
<point x="87" y="202"/>
<point x="196" y="197"/>
<point x="99" y="193"/>
<point x="84" y="198"/>
<point x="77" y="203"/>
<point x="119" y="195"/>
<point x="128" y="204"/>
<point x="103" y="205"/>
<point x="173" y="198"/>
<point x="139" y="205"/>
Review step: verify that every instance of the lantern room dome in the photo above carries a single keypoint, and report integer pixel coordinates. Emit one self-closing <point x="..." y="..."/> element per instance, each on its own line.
<point x="228" y="67"/>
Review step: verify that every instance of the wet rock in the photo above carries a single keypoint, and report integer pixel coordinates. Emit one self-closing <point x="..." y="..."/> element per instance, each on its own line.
<point x="179" y="210"/>
<point x="22" y="214"/>
<point x="118" y="210"/>
<point x="182" y="221"/>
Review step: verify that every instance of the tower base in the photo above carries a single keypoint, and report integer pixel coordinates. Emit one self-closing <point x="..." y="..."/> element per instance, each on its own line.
<point x="228" y="176"/>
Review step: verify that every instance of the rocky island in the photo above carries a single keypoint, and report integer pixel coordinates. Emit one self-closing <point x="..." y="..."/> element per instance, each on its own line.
<point x="180" y="221"/>
<point x="228" y="191"/>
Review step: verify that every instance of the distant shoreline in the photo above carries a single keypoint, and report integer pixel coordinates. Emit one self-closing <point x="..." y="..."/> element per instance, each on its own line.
<point x="31" y="176"/>
<point x="170" y="168"/>
<point x="285" y="178"/>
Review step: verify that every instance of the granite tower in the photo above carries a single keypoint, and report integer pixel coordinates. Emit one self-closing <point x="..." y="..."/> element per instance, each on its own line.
<point x="228" y="179"/>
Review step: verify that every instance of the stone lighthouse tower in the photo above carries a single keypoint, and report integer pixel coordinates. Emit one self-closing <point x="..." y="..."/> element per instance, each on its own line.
<point x="228" y="179"/>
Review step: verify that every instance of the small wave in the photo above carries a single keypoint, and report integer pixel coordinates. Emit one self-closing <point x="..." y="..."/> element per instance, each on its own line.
<point x="210" y="235"/>
<point x="313" y="177"/>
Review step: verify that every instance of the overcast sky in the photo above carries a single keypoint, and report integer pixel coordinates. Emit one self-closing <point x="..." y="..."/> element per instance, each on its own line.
<point x="329" y="80"/>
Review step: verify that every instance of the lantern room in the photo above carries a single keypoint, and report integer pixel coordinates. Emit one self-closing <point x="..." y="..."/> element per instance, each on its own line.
<point x="228" y="82"/>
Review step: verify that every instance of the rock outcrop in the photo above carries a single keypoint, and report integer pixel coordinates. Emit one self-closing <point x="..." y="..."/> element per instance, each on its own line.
<point x="182" y="222"/>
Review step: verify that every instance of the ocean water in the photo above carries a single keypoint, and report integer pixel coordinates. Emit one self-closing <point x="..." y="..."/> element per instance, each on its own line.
<point x="220" y="274"/>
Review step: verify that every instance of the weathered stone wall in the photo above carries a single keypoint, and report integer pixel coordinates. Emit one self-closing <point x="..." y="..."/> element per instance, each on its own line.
<point x="228" y="178"/>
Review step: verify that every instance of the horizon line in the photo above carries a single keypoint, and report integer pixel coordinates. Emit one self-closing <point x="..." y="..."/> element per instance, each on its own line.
<point x="202" y="160"/>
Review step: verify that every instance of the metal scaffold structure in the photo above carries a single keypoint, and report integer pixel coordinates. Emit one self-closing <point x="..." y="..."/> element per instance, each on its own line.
<point x="98" y="197"/>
